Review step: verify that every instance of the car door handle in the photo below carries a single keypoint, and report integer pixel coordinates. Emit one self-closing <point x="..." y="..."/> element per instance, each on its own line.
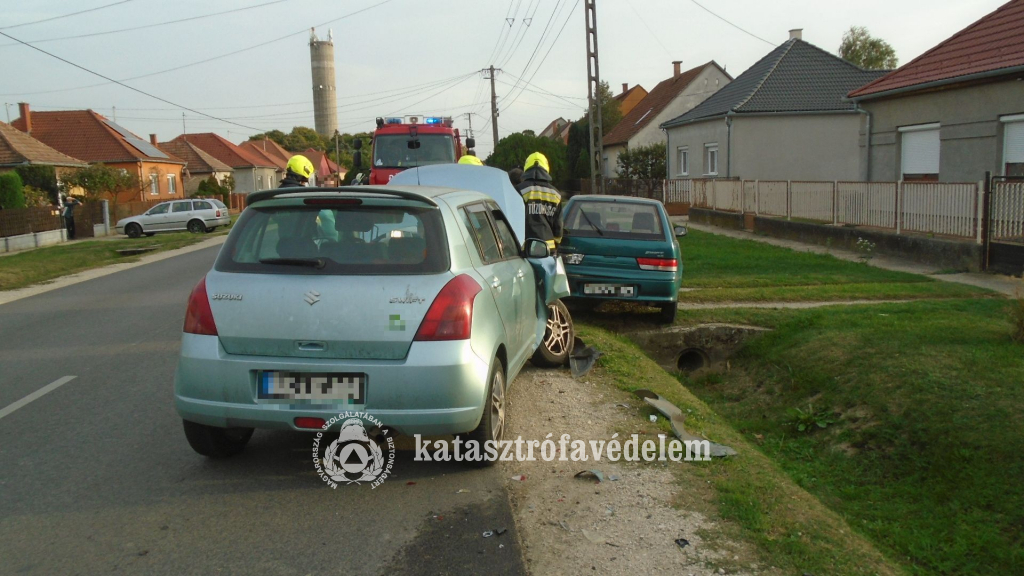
<point x="496" y="284"/>
<point x="520" y="274"/>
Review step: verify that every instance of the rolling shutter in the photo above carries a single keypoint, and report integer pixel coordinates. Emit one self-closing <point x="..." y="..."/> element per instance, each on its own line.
<point x="1013" y="146"/>
<point x="920" y="149"/>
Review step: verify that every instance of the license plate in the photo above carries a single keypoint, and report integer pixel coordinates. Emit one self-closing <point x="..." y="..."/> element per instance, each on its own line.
<point x="350" y="388"/>
<point x="609" y="290"/>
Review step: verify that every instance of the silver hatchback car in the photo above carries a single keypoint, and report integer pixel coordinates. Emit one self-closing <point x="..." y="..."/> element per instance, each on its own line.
<point x="416" y="305"/>
<point x="197" y="215"/>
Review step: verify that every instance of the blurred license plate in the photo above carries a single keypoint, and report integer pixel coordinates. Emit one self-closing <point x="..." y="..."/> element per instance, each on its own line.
<point x="312" y="386"/>
<point x="609" y="290"/>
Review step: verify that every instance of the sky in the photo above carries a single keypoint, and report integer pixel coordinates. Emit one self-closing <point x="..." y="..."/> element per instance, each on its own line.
<point x="398" y="57"/>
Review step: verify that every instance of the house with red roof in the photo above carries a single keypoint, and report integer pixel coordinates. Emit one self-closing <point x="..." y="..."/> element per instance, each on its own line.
<point x="199" y="165"/>
<point x="670" y="98"/>
<point x="270" y="149"/>
<point x="327" y="171"/>
<point x="251" y="171"/>
<point x="630" y="97"/>
<point x="954" y="112"/>
<point x="91" y="137"/>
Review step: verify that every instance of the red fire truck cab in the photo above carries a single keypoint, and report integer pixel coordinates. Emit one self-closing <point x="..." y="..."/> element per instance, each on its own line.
<point x="401" y="143"/>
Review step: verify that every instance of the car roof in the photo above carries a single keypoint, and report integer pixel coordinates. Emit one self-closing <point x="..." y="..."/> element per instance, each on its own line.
<point x="611" y="198"/>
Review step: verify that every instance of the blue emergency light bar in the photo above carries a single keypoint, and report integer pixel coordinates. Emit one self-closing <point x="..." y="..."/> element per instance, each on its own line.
<point x="393" y="120"/>
<point x="433" y="120"/>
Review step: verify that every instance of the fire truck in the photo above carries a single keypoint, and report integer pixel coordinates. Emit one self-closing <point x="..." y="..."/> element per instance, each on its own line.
<point x="406" y="142"/>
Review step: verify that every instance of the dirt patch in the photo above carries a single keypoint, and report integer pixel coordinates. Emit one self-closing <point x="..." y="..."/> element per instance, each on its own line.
<point x="628" y="526"/>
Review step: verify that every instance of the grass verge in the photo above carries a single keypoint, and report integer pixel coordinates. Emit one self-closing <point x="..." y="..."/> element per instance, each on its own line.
<point x="925" y="450"/>
<point x="45" y="264"/>
<point x="792" y="529"/>
<point x="828" y="292"/>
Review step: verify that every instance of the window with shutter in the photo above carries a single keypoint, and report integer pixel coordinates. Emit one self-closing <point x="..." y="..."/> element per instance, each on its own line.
<point x="919" y="152"/>
<point x="1013" y="146"/>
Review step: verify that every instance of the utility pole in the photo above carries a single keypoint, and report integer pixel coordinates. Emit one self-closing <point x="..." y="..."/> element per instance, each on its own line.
<point x="594" y="99"/>
<point x="494" y="103"/>
<point x="7" y="105"/>
<point x="469" y="116"/>
<point x="183" y="131"/>
<point x="114" y="110"/>
<point x="337" y="155"/>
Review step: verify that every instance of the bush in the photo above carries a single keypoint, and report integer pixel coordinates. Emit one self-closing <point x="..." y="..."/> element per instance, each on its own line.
<point x="40" y="177"/>
<point x="11" y="191"/>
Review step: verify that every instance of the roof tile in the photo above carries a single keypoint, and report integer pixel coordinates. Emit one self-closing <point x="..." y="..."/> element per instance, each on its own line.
<point x="225" y="151"/>
<point x="16" y="147"/>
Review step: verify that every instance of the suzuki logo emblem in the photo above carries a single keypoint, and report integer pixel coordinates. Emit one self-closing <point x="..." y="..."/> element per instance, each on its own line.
<point x="312" y="297"/>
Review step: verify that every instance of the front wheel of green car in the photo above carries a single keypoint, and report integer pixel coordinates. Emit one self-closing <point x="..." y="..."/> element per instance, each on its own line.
<point x="214" y="442"/>
<point x="559" y="336"/>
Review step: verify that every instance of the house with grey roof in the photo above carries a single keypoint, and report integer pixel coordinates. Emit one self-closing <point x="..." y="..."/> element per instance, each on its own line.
<point x="785" y="118"/>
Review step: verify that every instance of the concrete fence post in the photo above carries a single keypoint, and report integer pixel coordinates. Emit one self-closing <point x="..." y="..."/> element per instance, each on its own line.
<point x="789" y="199"/>
<point x="714" y="195"/>
<point x="106" y="216"/>
<point x="757" y="197"/>
<point x="979" y="205"/>
<point x="899" y="207"/>
<point x="835" y="202"/>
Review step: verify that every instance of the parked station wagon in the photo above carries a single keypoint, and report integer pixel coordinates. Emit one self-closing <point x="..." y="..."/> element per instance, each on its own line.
<point x="622" y="248"/>
<point x="415" y="304"/>
<point x="197" y="215"/>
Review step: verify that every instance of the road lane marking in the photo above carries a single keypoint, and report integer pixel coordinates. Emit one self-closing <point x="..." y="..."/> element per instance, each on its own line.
<point x="36" y="395"/>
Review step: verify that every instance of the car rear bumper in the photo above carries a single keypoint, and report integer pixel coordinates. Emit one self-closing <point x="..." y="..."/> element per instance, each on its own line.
<point x="649" y="286"/>
<point x="439" y="388"/>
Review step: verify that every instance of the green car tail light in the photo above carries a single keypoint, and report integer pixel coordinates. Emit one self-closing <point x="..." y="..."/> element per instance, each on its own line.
<point x="660" y="264"/>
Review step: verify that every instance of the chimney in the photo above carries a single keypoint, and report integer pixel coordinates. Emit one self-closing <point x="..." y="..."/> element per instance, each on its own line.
<point x="152" y="139"/>
<point x="676" y="68"/>
<point x="797" y="33"/>
<point x="625" y="87"/>
<point x="26" y="116"/>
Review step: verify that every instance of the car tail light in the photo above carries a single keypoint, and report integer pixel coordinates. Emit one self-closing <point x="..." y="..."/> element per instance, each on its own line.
<point x="450" y="317"/>
<point x="309" y="423"/>
<point x="199" y="317"/>
<point x="663" y="264"/>
<point x="218" y="214"/>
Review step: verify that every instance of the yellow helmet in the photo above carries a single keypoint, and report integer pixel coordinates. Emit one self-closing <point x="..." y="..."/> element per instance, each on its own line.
<point x="301" y="165"/>
<point x="470" y="159"/>
<point x="537" y="158"/>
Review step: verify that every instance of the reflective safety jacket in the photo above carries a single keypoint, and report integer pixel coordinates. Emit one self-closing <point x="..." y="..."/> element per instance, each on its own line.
<point x="543" y="206"/>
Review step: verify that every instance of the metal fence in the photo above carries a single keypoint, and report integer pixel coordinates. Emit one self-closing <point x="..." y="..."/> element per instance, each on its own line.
<point x="1007" y="212"/>
<point x="18" y="221"/>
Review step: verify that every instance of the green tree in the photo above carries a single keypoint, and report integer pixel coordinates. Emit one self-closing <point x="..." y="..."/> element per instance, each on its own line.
<point x="229" y="183"/>
<point x="302" y="138"/>
<point x="212" y="189"/>
<point x="275" y="135"/>
<point x="578" y="153"/>
<point x="512" y="150"/>
<point x="861" y="48"/>
<point x="40" y="177"/>
<point x="11" y="191"/>
<point x="643" y="162"/>
<point x="101" y="181"/>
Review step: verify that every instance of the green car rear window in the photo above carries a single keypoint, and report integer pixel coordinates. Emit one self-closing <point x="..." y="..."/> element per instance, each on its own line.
<point x="344" y="240"/>
<point x="624" y="220"/>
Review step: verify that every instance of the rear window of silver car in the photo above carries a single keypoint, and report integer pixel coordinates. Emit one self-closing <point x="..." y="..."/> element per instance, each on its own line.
<point x="624" y="220"/>
<point x="346" y="240"/>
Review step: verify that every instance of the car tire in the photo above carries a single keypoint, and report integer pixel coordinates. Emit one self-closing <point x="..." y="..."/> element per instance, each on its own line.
<point x="148" y="234"/>
<point x="211" y="229"/>
<point x="196" y="227"/>
<point x="494" y="409"/>
<point x="559" y="334"/>
<point x="214" y="442"/>
<point x="133" y="230"/>
<point x="668" y="313"/>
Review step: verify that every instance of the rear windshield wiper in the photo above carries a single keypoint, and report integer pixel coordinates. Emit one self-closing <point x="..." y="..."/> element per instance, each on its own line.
<point x="589" y="221"/>
<point x="317" y="263"/>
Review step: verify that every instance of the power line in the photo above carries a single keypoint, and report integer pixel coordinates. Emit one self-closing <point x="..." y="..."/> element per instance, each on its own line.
<point x="644" y="22"/>
<point x="154" y="25"/>
<point x="540" y="41"/>
<point x="552" y="45"/>
<point x="731" y="24"/>
<point x="527" y="20"/>
<point x="52" y="18"/>
<point x="164" y="100"/>
<point x="204" y="61"/>
<point x="502" y="36"/>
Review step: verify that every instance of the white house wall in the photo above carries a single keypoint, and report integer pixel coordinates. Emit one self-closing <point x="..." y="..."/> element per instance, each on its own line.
<point x="795" y="147"/>
<point x="709" y="81"/>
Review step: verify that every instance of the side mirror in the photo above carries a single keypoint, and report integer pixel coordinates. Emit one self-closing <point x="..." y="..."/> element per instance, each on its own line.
<point x="357" y="143"/>
<point x="470" y="142"/>
<point x="357" y="158"/>
<point x="537" y="248"/>
<point x="679" y="230"/>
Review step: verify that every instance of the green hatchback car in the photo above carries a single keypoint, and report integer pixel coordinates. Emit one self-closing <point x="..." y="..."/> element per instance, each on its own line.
<point x="621" y="248"/>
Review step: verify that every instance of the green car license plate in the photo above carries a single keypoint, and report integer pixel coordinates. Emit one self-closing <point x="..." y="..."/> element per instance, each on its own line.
<point x="623" y="290"/>
<point x="349" y="387"/>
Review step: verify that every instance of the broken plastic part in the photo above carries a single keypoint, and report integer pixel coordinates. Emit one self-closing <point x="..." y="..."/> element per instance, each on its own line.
<point x="488" y="534"/>
<point x="583" y="359"/>
<point x="682" y="542"/>
<point x="677" y="419"/>
<point x="590" y="475"/>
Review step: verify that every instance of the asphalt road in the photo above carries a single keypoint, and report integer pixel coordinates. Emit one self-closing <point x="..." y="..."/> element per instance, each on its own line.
<point x="96" y="475"/>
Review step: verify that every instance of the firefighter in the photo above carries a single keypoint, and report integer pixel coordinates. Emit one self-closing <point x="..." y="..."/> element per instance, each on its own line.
<point x="299" y="171"/>
<point x="543" y="201"/>
<point x="470" y="159"/>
